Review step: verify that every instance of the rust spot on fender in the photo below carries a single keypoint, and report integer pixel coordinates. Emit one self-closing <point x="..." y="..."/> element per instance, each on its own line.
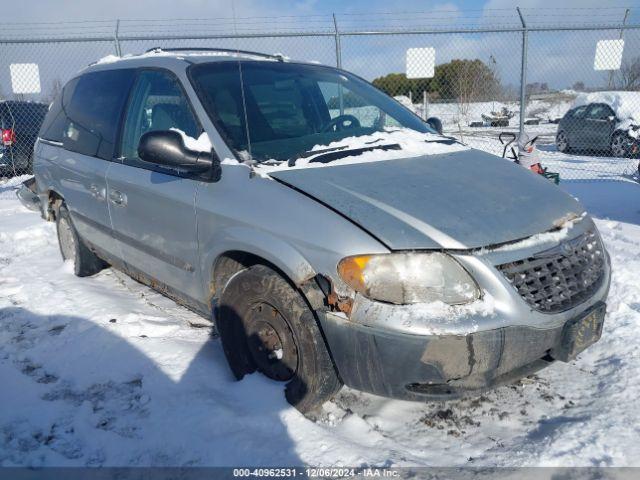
<point x="341" y="304"/>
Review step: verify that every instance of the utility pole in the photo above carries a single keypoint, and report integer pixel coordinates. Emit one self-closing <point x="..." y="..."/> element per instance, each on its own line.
<point x="624" y="22"/>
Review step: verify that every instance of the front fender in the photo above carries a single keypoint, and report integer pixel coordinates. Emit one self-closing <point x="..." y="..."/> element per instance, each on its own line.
<point x="257" y="242"/>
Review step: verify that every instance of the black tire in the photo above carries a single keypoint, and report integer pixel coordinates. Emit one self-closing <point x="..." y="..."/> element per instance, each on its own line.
<point x="618" y="142"/>
<point x="85" y="262"/>
<point x="562" y="142"/>
<point x="260" y="313"/>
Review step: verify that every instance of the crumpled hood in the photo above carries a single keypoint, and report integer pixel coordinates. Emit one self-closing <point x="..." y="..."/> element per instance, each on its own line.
<point x="461" y="200"/>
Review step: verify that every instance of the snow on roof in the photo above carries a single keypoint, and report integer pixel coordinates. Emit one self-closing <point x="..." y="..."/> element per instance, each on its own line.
<point x="180" y="54"/>
<point x="626" y="105"/>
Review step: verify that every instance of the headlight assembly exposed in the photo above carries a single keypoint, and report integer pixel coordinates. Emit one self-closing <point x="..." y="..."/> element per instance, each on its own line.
<point x="404" y="278"/>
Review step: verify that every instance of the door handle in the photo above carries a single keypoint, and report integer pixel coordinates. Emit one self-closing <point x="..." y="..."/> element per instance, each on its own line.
<point x="96" y="192"/>
<point x="117" y="198"/>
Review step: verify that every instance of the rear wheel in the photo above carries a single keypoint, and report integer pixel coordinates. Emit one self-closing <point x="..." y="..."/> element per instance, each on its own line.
<point x="619" y="142"/>
<point x="266" y="326"/>
<point x="562" y="142"/>
<point x="72" y="248"/>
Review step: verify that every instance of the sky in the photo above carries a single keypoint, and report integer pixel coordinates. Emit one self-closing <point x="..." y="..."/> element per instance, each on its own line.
<point x="40" y="10"/>
<point x="557" y="58"/>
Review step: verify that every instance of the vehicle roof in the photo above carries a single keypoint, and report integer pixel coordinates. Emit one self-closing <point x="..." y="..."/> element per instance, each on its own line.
<point x="181" y="58"/>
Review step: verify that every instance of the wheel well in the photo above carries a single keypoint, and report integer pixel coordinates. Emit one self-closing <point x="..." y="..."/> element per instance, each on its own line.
<point x="232" y="262"/>
<point x="228" y="264"/>
<point x="53" y="205"/>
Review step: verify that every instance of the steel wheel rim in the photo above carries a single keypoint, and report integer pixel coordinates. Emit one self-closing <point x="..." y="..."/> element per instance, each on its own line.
<point x="67" y="240"/>
<point x="271" y="343"/>
<point x="617" y="146"/>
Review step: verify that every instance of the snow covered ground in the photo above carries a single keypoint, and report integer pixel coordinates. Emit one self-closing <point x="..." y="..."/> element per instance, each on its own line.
<point x="103" y="371"/>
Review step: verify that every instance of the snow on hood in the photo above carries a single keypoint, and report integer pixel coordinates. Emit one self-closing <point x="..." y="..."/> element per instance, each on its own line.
<point x="411" y="142"/>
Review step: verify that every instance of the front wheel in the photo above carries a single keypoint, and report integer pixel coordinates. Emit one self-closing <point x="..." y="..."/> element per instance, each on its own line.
<point x="266" y="326"/>
<point x="619" y="142"/>
<point x="72" y="248"/>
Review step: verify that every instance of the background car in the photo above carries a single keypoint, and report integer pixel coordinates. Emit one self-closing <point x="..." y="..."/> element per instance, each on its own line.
<point x="20" y="122"/>
<point x="601" y="122"/>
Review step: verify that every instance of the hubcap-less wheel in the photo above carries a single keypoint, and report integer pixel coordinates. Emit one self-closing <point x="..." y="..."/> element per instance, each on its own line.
<point x="67" y="240"/>
<point x="561" y="142"/>
<point x="271" y="343"/>
<point x="617" y="146"/>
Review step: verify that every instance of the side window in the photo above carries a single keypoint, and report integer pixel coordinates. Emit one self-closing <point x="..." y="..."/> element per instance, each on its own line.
<point x="56" y="122"/>
<point x="157" y="103"/>
<point x="94" y="111"/>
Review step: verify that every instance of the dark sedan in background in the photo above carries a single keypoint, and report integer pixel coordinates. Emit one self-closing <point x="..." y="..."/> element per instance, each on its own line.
<point x="20" y="123"/>
<point x="595" y="128"/>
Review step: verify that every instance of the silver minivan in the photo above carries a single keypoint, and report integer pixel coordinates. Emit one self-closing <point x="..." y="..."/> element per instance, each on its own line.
<point x="330" y="234"/>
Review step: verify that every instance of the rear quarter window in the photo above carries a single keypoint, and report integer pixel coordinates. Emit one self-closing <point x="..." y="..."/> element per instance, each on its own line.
<point x="56" y="122"/>
<point x="87" y="117"/>
<point x="95" y="110"/>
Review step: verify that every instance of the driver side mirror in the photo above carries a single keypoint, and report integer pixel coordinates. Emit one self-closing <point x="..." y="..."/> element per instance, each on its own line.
<point x="435" y="123"/>
<point x="167" y="148"/>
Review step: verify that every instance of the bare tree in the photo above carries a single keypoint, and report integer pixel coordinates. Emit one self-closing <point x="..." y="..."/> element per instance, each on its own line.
<point x="628" y="77"/>
<point x="54" y="91"/>
<point x="578" y="86"/>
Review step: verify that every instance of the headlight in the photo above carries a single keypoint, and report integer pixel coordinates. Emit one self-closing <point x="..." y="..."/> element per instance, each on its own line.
<point x="403" y="278"/>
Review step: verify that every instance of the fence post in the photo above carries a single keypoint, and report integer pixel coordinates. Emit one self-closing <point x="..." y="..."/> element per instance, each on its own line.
<point x="338" y="61"/>
<point x="337" y="39"/>
<point x="116" y="40"/>
<point x="523" y="72"/>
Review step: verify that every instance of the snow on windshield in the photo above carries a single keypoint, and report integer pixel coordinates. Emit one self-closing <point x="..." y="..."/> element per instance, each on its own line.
<point x="411" y="142"/>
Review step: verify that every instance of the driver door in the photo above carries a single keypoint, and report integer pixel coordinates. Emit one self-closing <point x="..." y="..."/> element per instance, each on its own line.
<point x="152" y="207"/>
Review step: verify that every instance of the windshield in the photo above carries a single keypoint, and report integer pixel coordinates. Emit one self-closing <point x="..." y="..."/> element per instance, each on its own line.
<point x="290" y="108"/>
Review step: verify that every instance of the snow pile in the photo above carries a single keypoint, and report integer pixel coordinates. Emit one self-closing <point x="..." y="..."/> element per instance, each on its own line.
<point x="102" y="371"/>
<point x="411" y="143"/>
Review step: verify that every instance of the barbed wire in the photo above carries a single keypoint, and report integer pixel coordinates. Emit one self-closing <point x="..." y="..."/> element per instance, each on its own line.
<point x="437" y="19"/>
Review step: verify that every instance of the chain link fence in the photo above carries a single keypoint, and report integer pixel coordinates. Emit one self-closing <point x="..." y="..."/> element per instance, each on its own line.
<point x="487" y="75"/>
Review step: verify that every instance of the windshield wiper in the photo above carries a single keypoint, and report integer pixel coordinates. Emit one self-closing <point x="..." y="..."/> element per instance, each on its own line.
<point x="445" y="141"/>
<point x="292" y="161"/>
<point x="331" y="154"/>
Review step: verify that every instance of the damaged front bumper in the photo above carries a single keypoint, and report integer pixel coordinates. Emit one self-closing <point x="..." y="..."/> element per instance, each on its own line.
<point x="422" y="367"/>
<point x="409" y="352"/>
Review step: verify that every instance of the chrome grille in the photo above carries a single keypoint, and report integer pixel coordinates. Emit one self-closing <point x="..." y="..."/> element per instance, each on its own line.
<point x="559" y="278"/>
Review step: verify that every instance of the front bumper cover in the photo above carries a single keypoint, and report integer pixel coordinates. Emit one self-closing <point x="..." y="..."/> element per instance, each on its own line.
<point x="419" y="367"/>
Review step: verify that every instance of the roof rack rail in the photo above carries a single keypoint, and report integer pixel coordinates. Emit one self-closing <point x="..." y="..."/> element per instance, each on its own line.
<point x="278" y="57"/>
